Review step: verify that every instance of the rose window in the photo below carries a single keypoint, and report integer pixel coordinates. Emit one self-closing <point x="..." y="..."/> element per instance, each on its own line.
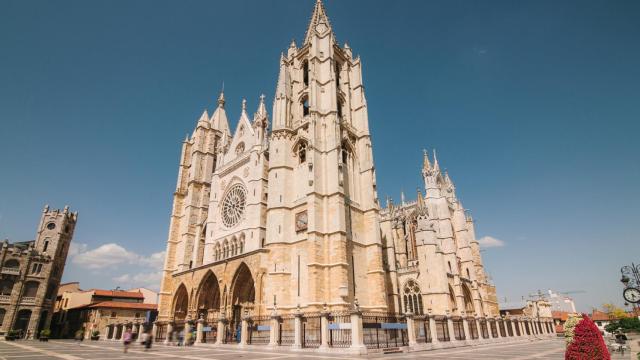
<point x="233" y="205"/>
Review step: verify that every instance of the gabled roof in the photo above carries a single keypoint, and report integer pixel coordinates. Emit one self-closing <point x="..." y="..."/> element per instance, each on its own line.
<point x="600" y="316"/>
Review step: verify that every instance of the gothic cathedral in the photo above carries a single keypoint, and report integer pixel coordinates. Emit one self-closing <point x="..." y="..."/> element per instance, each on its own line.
<point x="283" y="215"/>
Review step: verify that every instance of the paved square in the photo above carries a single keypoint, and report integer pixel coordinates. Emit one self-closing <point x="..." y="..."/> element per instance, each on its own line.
<point x="100" y="350"/>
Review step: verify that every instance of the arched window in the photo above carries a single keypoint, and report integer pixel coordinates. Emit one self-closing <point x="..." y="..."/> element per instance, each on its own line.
<point x="30" y="289"/>
<point x="468" y="274"/>
<point x="305" y="73"/>
<point x="412" y="298"/>
<point x="302" y="152"/>
<point x="46" y="245"/>
<point x="6" y="286"/>
<point x="12" y="263"/>
<point x="2" y="312"/>
<point x="338" y="69"/>
<point x="452" y="300"/>
<point x="305" y="106"/>
<point x="234" y="248"/>
<point x="241" y="246"/>
<point x="449" y="263"/>
<point x="340" y="105"/>
<point x="468" y="300"/>
<point x="226" y="249"/>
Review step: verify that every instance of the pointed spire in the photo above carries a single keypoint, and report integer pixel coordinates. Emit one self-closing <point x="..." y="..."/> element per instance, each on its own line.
<point x="420" y="199"/>
<point x="219" y="119"/>
<point x="244" y="105"/>
<point x="221" y="98"/>
<point x="262" y="109"/>
<point x="426" y="165"/>
<point x="204" y="116"/>
<point x="319" y="16"/>
<point x="436" y="166"/>
<point x="402" y="197"/>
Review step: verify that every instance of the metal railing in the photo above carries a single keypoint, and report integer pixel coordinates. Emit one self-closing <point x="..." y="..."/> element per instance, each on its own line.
<point x="259" y="330"/>
<point x="287" y="333"/>
<point x="442" y="329"/>
<point x="421" y="329"/>
<point x="311" y="330"/>
<point x="458" y="329"/>
<point x="340" y="330"/>
<point x="384" y="330"/>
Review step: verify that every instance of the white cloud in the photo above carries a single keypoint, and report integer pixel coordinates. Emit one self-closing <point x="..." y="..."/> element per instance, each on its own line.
<point x="489" y="242"/>
<point x="77" y="248"/>
<point x="155" y="260"/>
<point x="111" y="255"/>
<point x="147" y="280"/>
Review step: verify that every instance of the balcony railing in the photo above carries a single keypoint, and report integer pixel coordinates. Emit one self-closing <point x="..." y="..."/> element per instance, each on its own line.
<point x="11" y="270"/>
<point x="28" y="300"/>
<point x="5" y="298"/>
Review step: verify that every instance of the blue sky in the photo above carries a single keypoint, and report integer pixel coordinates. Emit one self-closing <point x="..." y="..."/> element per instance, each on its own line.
<point x="534" y="108"/>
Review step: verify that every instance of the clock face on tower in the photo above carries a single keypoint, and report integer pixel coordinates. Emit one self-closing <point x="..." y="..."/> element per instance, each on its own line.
<point x="631" y="295"/>
<point x="301" y="221"/>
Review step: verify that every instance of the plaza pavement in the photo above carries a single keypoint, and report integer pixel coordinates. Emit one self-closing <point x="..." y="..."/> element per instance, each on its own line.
<point x="102" y="350"/>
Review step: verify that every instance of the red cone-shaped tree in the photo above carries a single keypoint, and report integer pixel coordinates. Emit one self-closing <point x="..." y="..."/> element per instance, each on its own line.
<point x="587" y="343"/>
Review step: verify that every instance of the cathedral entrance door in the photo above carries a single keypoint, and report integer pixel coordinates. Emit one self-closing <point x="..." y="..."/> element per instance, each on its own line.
<point x="242" y="297"/>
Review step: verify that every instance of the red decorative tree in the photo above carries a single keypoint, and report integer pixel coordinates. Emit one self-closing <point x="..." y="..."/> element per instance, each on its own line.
<point x="587" y="343"/>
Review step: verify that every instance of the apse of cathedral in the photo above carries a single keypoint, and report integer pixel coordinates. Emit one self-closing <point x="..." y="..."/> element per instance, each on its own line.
<point x="281" y="212"/>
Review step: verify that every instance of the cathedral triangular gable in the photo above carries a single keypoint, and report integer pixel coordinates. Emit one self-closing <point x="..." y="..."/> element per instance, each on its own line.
<point x="243" y="137"/>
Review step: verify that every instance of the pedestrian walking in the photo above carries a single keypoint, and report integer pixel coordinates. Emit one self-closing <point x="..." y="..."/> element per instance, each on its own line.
<point x="146" y="340"/>
<point x="127" y="339"/>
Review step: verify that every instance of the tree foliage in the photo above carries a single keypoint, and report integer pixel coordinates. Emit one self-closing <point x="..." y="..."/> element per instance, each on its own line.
<point x="624" y="325"/>
<point x="587" y="343"/>
<point x="614" y="311"/>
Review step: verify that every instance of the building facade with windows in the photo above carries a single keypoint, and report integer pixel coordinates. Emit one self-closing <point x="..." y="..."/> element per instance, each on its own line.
<point x="30" y="273"/>
<point x="281" y="214"/>
<point x="109" y="312"/>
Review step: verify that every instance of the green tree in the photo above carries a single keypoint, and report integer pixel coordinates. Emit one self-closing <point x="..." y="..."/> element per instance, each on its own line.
<point x="624" y="325"/>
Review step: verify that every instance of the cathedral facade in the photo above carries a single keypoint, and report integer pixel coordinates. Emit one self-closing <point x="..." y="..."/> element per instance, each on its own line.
<point x="282" y="214"/>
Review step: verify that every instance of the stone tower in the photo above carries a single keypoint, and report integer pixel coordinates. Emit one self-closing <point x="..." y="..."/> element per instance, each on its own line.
<point x="31" y="273"/>
<point x="322" y="211"/>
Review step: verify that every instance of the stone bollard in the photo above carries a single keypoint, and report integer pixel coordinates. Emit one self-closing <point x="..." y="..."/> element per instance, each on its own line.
<point x="478" y="328"/>
<point x="167" y="338"/>
<point x="489" y="328"/>
<point x="244" y="331"/>
<point x="465" y="327"/>
<point x="221" y="330"/>
<point x="324" y="330"/>
<point x="433" y="330"/>
<point x="452" y="333"/>
<point x="357" y="336"/>
<point x="199" y="330"/>
<point x="274" y="338"/>
<point x="297" y="327"/>
<point x="411" y="329"/>
<point x="513" y="328"/>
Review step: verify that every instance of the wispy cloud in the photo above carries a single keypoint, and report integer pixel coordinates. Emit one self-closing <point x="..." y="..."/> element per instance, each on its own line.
<point x="489" y="242"/>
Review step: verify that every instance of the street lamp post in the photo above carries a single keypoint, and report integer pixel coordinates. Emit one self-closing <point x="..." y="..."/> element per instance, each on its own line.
<point x="631" y="281"/>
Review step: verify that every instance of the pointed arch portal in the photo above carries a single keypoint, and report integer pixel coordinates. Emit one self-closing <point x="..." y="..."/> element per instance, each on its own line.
<point x="243" y="293"/>
<point x="208" y="296"/>
<point x="180" y="303"/>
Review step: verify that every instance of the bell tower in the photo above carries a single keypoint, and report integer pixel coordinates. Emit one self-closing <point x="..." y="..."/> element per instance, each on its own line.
<point x="323" y="227"/>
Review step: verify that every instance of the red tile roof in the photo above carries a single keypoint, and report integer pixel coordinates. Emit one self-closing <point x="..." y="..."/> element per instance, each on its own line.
<point x="600" y="316"/>
<point x="123" y="305"/>
<point x="118" y="293"/>
<point x="561" y="315"/>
